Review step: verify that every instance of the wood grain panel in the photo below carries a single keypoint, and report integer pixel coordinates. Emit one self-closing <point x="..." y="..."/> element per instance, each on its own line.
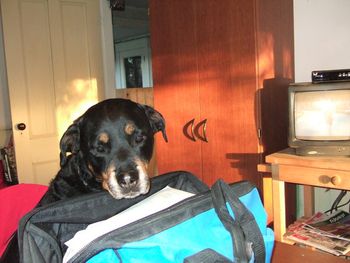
<point x="140" y="95"/>
<point x="227" y="79"/>
<point x="275" y="52"/>
<point x="315" y="176"/>
<point x="175" y="78"/>
<point x="275" y="70"/>
<point x="210" y="61"/>
<point x="288" y="157"/>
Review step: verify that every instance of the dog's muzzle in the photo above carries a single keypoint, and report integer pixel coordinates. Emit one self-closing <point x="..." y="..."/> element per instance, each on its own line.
<point x="127" y="184"/>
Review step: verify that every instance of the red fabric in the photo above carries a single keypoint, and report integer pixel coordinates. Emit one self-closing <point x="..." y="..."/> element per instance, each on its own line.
<point x="15" y="202"/>
<point x="2" y="175"/>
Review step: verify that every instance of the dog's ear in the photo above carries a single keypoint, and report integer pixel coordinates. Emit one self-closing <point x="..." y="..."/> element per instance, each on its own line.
<point x="156" y="120"/>
<point x="70" y="142"/>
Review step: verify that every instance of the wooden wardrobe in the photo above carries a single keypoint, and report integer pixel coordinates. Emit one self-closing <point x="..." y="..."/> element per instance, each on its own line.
<point x="221" y="71"/>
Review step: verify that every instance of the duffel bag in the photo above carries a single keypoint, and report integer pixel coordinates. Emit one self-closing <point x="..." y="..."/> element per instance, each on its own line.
<point x="225" y="224"/>
<point x="43" y="232"/>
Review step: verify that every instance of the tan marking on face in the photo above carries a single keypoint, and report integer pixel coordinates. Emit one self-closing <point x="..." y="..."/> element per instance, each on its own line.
<point x="106" y="178"/>
<point x="103" y="137"/>
<point x="142" y="163"/>
<point x="141" y="166"/>
<point x="129" y="128"/>
<point x="105" y="185"/>
<point x="90" y="167"/>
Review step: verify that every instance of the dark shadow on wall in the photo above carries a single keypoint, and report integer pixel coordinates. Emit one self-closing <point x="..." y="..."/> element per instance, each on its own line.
<point x="274" y="126"/>
<point x="274" y="114"/>
<point x="243" y="163"/>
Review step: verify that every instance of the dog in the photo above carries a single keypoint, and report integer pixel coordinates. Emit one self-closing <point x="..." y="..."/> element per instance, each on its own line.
<point x="107" y="148"/>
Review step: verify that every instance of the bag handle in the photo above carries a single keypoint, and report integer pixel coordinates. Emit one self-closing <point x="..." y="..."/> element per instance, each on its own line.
<point x="243" y="228"/>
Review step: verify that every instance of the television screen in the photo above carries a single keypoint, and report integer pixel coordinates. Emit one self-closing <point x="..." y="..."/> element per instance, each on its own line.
<point x="322" y="115"/>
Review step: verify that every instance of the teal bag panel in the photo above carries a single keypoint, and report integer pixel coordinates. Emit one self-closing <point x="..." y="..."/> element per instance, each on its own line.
<point x="189" y="237"/>
<point x="269" y="241"/>
<point x="174" y="244"/>
<point x="107" y="255"/>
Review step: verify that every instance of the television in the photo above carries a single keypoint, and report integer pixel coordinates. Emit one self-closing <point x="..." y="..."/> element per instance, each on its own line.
<point x="319" y="118"/>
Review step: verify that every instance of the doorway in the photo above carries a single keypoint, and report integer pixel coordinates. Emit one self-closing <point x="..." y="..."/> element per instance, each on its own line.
<point x="131" y="36"/>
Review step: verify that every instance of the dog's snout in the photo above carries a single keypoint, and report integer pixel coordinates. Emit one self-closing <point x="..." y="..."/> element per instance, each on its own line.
<point x="128" y="179"/>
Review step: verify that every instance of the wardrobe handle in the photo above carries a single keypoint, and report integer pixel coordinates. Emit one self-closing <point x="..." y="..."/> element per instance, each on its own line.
<point x="202" y="136"/>
<point x="192" y="130"/>
<point x="205" y="130"/>
<point x="189" y="126"/>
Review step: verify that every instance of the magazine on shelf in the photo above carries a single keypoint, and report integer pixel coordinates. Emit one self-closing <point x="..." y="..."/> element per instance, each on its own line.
<point x="327" y="232"/>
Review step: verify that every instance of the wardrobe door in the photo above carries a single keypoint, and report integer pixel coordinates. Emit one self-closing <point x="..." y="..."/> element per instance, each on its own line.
<point x="175" y="78"/>
<point x="227" y="80"/>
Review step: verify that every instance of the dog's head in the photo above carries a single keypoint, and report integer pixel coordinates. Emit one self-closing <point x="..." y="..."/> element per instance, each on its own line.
<point x="114" y="142"/>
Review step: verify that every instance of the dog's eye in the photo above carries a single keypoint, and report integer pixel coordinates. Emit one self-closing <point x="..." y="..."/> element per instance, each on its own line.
<point x="139" y="138"/>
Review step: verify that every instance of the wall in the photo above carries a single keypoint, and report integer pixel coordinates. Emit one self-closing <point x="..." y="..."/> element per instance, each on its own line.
<point x="321" y="35"/>
<point x="132" y="22"/>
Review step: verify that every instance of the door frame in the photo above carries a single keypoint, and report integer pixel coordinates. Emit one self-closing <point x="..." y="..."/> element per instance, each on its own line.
<point x="107" y="50"/>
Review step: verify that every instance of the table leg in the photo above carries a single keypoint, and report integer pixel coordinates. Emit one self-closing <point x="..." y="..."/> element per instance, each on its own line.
<point x="309" y="200"/>
<point x="279" y="206"/>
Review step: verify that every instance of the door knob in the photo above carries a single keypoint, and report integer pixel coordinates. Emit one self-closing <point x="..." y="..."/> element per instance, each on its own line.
<point x="21" y="126"/>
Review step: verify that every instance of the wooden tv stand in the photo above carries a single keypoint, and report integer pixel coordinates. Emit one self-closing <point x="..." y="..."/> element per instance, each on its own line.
<point x="329" y="172"/>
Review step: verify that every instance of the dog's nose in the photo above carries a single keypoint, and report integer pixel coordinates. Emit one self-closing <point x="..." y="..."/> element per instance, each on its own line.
<point x="127" y="179"/>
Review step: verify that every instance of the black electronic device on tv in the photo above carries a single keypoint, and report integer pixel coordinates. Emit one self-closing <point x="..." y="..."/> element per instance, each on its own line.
<point x="336" y="75"/>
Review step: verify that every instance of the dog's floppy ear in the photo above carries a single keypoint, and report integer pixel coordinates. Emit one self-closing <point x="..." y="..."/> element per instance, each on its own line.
<point x="156" y="120"/>
<point x="70" y="141"/>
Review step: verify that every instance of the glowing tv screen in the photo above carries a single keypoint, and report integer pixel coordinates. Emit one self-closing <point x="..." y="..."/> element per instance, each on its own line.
<point x="320" y="116"/>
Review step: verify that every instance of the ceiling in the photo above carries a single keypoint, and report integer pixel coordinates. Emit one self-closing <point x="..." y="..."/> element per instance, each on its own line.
<point x="131" y="23"/>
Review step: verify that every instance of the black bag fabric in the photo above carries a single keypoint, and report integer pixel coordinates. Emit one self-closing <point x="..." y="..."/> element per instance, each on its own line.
<point x="43" y="232"/>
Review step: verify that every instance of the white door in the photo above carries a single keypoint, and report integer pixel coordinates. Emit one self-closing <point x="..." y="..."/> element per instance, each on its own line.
<point x="54" y="66"/>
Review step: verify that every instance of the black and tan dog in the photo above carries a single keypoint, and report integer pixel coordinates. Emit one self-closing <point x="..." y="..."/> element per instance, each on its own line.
<point x="108" y="147"/>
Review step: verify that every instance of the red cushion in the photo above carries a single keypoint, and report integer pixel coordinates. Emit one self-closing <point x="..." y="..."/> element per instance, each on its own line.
<point x="15" y="202"/>
<point x="2" y="174"/>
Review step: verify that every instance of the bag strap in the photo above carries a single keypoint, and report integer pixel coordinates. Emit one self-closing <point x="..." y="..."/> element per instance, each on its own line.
<point x="243" y="228"/>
